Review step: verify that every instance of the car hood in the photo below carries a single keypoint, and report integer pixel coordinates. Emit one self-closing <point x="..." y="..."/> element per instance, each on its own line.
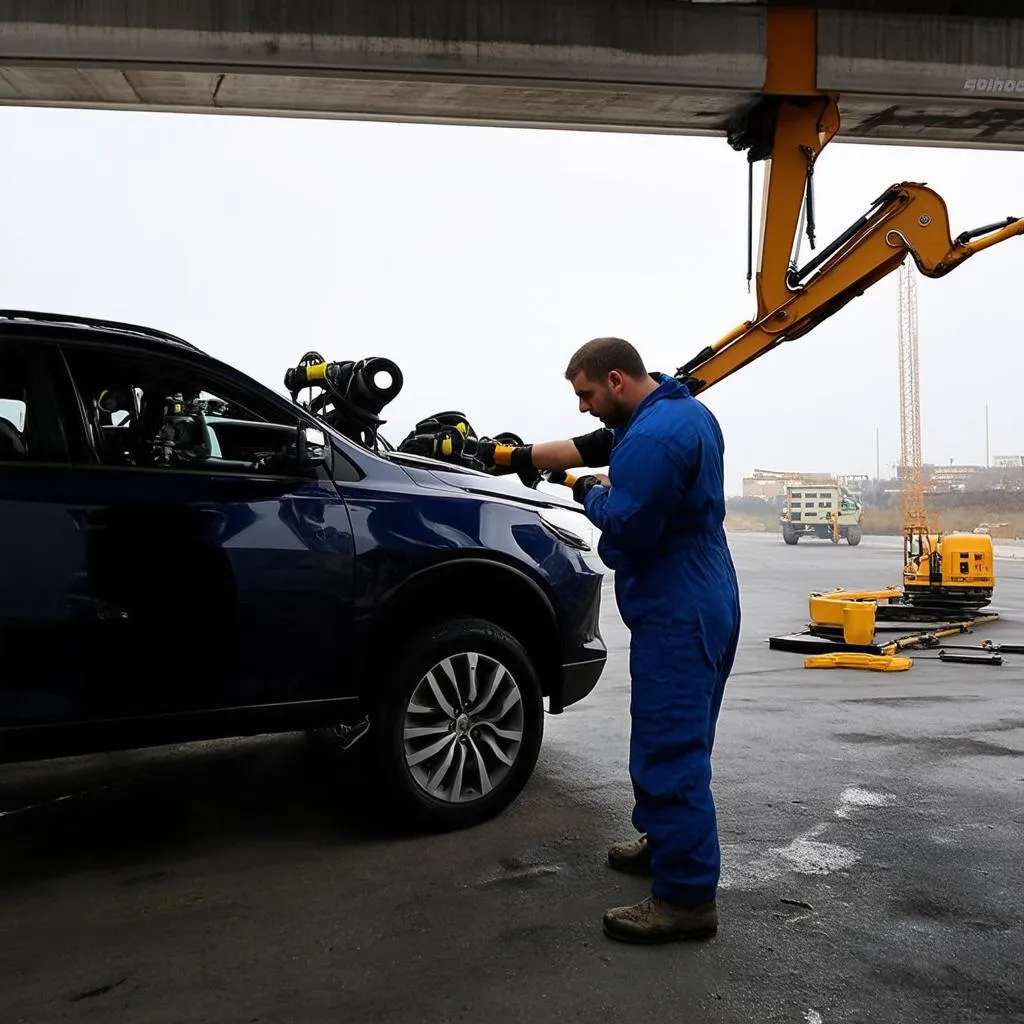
<point x="509" y="487"/>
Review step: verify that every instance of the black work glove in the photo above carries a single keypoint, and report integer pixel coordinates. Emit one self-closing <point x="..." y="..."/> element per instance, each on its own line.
<point x="581" y="486"/>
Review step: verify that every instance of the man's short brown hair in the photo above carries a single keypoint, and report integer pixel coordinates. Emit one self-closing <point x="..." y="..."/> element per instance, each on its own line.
<point x="598" y="357"/>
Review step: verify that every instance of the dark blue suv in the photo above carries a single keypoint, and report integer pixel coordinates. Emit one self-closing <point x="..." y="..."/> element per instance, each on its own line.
<point x="186" y="554"/>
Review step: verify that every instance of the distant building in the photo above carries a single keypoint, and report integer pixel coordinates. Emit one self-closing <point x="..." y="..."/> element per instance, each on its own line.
<point x="1008" y="462"/>
<point x="754" y="487"/>
<point x="950" y="478"/>
<point x="770" y="485"/>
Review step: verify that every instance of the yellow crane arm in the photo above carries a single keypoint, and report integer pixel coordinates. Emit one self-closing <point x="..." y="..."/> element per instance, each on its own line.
<point x="908" y="218"/>
<point x="788" y="128"/>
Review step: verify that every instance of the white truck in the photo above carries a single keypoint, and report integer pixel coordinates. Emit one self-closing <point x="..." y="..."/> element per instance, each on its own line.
<point x="827" y="511"/>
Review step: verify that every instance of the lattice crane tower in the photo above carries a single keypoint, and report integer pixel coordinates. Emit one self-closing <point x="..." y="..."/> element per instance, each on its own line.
<point x="911" y="484"/>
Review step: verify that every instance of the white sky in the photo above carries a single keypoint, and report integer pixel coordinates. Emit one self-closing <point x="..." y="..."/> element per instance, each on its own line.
<point x="478" y="259"/>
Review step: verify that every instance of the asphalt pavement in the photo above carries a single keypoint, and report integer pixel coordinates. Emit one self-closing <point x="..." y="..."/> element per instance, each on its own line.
<point x="871" y="823"/>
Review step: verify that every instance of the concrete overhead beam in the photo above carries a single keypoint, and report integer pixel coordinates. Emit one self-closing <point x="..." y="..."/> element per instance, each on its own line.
<point x="671" y="66"/>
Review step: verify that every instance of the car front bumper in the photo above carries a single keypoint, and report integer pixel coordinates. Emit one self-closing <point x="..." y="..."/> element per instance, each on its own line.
<point x="578" y="680"/>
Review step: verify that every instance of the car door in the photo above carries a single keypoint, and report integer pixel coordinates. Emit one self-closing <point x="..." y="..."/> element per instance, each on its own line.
<point x="45" y="606"/>
<point x="220" y="573"/>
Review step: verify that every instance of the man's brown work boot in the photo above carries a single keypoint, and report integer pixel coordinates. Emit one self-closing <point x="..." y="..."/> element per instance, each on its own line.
<point x="633" y="856"/>
<point x="656" y="920"/>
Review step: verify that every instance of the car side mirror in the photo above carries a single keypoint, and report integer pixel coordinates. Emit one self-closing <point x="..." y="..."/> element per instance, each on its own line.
<point x="311" y="447"/>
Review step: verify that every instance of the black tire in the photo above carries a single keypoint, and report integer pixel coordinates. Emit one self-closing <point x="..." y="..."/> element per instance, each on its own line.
<point x="789" y="535"/>
<point x="386" y="746"/>
<point x="853" y="535"/>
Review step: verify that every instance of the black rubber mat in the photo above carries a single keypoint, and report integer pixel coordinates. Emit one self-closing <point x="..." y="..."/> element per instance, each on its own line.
<point x="807" y="643"/>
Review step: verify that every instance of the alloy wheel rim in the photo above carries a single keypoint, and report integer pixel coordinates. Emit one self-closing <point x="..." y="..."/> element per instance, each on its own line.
<point x="463" y="728"/>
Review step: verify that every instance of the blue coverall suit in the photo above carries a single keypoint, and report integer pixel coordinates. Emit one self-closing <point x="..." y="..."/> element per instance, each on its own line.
<point x="662" y="533"/>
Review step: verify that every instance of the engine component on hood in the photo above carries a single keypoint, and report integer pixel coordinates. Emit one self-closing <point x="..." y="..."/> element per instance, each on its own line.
<point x="449" y="437"/>
<point x="445" y="435"/>
<point x="350" y="400"/>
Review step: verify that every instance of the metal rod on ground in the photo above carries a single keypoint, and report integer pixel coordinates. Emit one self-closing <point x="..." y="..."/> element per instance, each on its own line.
<point x="986" y="645"/>
<point x="923" y="638"/>
<point x="971" y="659"/>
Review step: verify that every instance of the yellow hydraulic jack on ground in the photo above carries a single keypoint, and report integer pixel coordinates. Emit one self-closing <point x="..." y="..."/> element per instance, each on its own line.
<point x="890" y="660"/>
<point x="855" y="612"/>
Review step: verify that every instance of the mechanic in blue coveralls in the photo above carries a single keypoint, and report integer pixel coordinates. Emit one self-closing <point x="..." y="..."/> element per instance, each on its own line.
<point x="661" y="513"/>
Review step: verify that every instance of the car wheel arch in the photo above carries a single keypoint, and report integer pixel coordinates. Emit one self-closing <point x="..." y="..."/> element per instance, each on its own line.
<point x="481" y="587"/>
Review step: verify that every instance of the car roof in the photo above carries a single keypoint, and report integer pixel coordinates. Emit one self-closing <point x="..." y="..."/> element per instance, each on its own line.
<point x="99" y="329"/>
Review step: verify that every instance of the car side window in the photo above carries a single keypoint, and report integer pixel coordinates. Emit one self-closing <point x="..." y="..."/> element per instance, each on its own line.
<point x="30" y="426"/>
<point x="156" y="412"/>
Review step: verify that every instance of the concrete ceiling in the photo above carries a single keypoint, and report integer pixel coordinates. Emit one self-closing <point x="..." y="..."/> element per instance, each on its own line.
<point x="674" y="66"/>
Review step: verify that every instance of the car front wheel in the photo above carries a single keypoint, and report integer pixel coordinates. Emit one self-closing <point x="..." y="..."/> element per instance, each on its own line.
<point x="456" y="731"/>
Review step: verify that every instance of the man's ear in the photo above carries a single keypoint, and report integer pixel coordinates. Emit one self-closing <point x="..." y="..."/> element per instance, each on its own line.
<point x="615" y="379"/>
